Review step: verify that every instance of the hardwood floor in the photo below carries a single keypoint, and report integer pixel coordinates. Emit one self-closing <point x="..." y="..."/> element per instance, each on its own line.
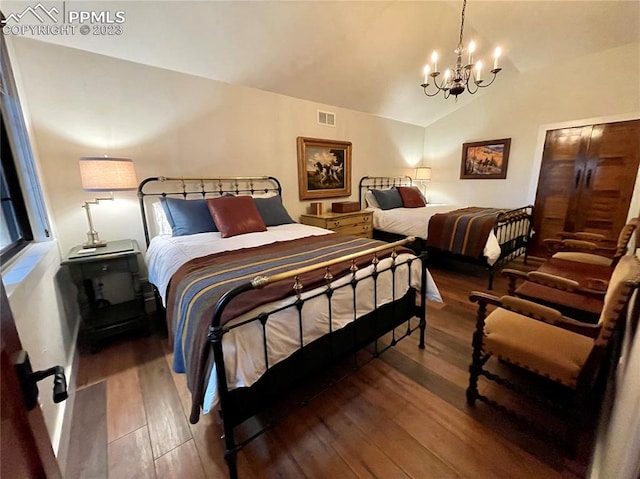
<point x="403" y="415"/>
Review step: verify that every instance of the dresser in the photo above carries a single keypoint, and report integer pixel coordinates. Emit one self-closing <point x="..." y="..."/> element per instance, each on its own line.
<point x="358" y="223"/>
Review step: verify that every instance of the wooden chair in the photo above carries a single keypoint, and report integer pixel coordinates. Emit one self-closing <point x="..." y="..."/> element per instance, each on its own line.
<point x="541" y="340"/>
<point x="591" y="248"/>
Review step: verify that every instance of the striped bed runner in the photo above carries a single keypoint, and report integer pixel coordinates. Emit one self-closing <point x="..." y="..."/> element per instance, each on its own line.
<point x="463" y="231"/>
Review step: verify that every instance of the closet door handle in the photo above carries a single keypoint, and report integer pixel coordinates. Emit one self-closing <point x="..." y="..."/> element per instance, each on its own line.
<point x="589" y="177"/>
<point x="578" y="177"/>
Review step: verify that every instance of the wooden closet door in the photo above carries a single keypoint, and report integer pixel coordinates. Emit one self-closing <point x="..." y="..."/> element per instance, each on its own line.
<point x="586" y="180"/>
<point x="609" y="179"/>
<point x="561" y="175"/>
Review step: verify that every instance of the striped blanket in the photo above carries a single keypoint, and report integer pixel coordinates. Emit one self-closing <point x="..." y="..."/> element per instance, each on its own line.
<point x="196" y="287"/>
<point x="463" y="231"/>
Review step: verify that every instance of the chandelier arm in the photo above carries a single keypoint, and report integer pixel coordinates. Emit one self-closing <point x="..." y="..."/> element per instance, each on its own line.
<point x="473" y="92"/>
<point x="495" y="74"/>
<point x="427" y="93"/>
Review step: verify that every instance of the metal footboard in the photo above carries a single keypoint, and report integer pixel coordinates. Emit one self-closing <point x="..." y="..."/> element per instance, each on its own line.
<point x="513" y="230"/>
<point x="399" y="317"/>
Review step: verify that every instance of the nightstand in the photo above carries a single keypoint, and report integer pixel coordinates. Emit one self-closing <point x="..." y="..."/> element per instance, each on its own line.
<point x="358" y="223"/>
<point x="90" y="269"/>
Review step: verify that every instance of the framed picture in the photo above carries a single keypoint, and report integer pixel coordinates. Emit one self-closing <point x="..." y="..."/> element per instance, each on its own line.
<point x="324" y="168"/>
<point x="485" y="159"/>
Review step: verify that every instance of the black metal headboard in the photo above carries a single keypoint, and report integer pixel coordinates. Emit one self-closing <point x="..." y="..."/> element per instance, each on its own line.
<point x="163" y="186"/>
<point x="380" y="183"/>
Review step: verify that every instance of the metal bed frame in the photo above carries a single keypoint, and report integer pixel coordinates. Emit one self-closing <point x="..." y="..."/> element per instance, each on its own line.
<point x="513" y="228"/>
<point x="400" y="317"/>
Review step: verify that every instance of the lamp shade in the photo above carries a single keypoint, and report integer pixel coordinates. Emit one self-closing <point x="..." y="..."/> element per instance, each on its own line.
<point x="423" y="173"/>
<point x="107" y="174"/>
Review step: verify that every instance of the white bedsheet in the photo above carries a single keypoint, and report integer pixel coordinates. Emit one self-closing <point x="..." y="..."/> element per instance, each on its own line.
<point x="415" y="222"/>
<point x="166" y="254"/>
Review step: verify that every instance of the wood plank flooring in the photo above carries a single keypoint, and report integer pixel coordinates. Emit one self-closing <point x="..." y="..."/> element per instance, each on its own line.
<point x="403" y="415"/>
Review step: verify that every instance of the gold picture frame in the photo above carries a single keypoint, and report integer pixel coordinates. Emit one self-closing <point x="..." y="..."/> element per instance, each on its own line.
<point x="484" y="160"/>
<point x="324" y="168"/>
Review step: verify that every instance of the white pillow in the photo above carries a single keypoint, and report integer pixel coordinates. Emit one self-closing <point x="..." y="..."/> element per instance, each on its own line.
<point x="371" y="199"/>
<point x="261" y="194"/>
<point x="162" y="223"/>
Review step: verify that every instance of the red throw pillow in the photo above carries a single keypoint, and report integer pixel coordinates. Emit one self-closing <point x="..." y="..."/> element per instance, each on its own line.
<point x="411" y="197"/>
<point x="235" y="215"/>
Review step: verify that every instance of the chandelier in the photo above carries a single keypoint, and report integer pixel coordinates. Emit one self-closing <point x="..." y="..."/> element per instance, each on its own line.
<point x="462" y="77"/>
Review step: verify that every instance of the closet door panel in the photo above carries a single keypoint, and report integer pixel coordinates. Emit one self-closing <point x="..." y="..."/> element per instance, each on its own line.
<point x="560" y="176"/>
<point x="612" y="166"/>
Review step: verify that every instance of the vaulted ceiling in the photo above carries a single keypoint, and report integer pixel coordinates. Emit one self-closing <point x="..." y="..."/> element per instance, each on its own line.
<point x="362" y="55"/>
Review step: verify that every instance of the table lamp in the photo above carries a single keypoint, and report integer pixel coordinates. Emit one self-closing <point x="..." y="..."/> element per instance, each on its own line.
<point x="423" y="174"/>
<point x="104" y="174"/>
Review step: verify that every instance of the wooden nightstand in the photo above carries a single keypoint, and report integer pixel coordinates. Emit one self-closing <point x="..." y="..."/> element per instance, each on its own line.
<point x="358" y="223"/>
<point x="101" y="318"/>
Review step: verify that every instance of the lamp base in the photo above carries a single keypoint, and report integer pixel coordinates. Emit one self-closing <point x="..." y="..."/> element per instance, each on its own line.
<point x="93" y="240"/>
<point x="98" y="244"/>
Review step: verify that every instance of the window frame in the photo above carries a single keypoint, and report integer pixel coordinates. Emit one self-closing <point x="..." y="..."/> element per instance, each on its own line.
<point x="16" y="197"/>
<point x="18" y="165"/>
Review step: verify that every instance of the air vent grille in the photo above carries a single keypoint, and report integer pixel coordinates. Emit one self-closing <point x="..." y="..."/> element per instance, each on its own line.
<point x="326" y="118"/>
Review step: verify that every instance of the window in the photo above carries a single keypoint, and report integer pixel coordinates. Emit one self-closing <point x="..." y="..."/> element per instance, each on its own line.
<point x="15" y="230"/>
<point x="23" y="215"/>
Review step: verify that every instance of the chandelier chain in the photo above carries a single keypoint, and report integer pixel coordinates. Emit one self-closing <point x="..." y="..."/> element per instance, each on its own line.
<point x="464" y="6"/>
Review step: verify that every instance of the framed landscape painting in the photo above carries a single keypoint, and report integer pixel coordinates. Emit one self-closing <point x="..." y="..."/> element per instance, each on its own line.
<point x="324" y="168"/>
<point x="485" y="159"/>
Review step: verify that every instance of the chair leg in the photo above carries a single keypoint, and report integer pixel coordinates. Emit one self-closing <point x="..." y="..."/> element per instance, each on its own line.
<point x="472" y="390"/>
<point x="474" y="370"/>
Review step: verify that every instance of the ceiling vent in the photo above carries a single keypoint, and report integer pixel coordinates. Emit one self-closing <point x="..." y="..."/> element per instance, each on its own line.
<point x="326" y="118"/>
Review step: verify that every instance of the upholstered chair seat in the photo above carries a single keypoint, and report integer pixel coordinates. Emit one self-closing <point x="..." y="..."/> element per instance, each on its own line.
<point x="542" y="348"/>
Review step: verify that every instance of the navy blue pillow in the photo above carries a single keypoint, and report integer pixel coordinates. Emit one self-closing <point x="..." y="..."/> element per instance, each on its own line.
<point x="273" y="211"/>
<point x="388" y="199"/>
<point x="188" y="217"/>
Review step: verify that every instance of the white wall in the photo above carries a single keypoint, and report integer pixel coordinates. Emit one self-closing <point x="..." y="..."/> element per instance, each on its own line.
<point x="42" y="300"/>
<point x="515" y="107"/>
<point x="173" y="124"/>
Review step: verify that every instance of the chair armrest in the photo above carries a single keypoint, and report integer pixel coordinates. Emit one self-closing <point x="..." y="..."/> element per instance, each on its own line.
<point x="531" y="309"/>
<point x="484" y="298"/>
<point x="606" y="248"/>
<point x="564" y="284"/>
<point x="583" y="235"/>
<point x="548" y="315"/>
<point x="557" y="282"/>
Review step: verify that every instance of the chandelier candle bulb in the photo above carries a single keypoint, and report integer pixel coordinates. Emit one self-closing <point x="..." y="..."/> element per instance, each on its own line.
<point x="478" y="71"/>
<point x="496" y="55"/>
<point x="472" y="48"/>
<point x="434" y="60"/>
<point x="426" y="74"/>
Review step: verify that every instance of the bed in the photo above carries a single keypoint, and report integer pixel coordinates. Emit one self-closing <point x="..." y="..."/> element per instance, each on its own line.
<point x="252" y="314"/>
<point x="490" y="237"/>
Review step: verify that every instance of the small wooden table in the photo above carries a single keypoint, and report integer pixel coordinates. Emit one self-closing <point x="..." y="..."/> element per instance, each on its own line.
<point x="102" y="318"/>
<point x="358" y="223"/>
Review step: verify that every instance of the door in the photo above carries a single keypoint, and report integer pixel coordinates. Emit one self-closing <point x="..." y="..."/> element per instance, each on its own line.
<point x="25" y="447"/>
<point x="586" y="180"/>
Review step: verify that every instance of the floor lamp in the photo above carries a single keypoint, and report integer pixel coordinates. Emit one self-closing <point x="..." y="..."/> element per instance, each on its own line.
<point x="100" y="174"/>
